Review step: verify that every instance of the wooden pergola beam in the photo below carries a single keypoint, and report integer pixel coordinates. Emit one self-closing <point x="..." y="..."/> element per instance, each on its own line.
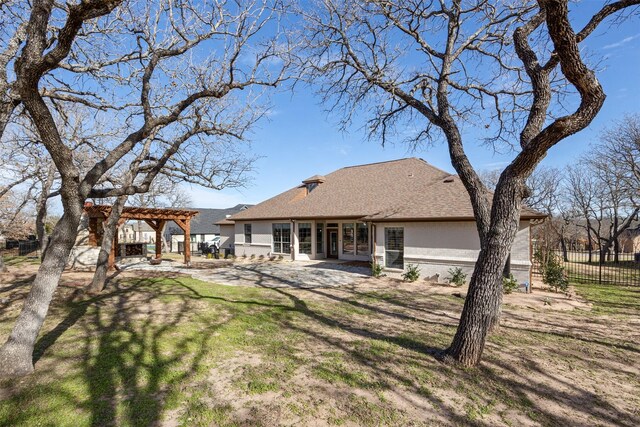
<point x="156" y="218"/>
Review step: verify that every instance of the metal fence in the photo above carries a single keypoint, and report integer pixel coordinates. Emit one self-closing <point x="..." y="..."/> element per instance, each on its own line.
<point x="26" y="247"/>
<point x="582" y="267"/>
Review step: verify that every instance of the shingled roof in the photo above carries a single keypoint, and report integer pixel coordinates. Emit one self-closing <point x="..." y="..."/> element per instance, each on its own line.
<point x="206" y="221"/>
<point x="405" y="189"/>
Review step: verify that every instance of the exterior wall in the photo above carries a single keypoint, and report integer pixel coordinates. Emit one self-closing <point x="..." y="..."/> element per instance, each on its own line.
<point x="227" y="236"/>
<point x="262" y="240"/>
<point x="438" y="246"/>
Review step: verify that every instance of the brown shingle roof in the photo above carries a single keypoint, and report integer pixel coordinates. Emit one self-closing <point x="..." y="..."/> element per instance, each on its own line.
<point x="395" y="190"/>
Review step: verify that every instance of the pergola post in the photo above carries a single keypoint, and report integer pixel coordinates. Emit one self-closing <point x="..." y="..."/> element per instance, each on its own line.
<point x="158" y="230"/>
<point x="187" y="241"/>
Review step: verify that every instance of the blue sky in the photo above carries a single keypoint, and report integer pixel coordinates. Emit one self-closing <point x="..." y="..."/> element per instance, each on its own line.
<point x="301" y="139"/>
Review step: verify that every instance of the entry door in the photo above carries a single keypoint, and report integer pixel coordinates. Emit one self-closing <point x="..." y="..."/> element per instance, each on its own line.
<point x="332" y="244"/>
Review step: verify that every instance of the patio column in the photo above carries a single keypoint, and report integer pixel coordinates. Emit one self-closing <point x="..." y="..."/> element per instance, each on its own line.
<point x="187" y="241"/>
<point x="158" y="230"/>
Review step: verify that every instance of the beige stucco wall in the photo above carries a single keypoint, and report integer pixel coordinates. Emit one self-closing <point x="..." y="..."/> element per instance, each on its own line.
<point x="227" y="236"/>
<point x="438" y="246"/>
<point x="260" y="239"/>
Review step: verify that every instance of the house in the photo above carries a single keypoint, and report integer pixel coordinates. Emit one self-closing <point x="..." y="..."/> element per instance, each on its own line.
<point x="136" y="231"/>
<point x="397" y="212"/>
<point x="204" y="227"/>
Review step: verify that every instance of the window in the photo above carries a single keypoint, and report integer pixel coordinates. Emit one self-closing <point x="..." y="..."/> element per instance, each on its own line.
<point x="282" y="238"/>
<point x="394" y="247"/>
<point x="247" y="233"/>
<point x="362" y="238"/>
<point x="304" y="237"/>
<point x="320" y="238"/>
<point x="347" y="239"/>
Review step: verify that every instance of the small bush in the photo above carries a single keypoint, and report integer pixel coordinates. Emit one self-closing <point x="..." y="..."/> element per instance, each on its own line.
<point x="553" y="274"/>
<point x="457" y="276"/>
<point x="412" y="274"/>
<point x="253" y="256"/>
<point x="376" y="270"/>
<point x="261" y="257"/>
<point x="509" y="284"/>
<point x="280" y="257"/>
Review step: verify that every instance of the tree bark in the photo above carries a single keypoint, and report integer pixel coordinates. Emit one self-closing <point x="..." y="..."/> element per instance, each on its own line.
<point x="482" y="308"/>
<point x="110" y="230"/>
<point x="41" y="209"/>
<point x="17" y="353"/>
<point x="563" y="246"/>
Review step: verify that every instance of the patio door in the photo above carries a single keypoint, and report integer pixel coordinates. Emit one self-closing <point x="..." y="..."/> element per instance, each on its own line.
<point x="332" y="243"/>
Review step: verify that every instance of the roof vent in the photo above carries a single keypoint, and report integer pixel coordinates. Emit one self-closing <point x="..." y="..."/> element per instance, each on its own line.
<point x="448" y="179"/>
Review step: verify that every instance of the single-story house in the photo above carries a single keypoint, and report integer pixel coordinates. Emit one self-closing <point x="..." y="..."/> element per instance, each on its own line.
<point x="204" y="227"/>
<point x="397" y="213"/>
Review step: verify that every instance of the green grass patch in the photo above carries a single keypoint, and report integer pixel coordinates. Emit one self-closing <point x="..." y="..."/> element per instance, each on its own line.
<point x="611" y="298"/>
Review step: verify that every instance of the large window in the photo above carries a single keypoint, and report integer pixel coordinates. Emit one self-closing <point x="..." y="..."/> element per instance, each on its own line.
<point x="320" y="238"/>
<point x="304" y="237"/>
<point x="282" y="238"/>
<point x="362" y="238"/>
<point x="247" y="233"/>
<point x="394" y="247"/>
<point x="347" y="239"/>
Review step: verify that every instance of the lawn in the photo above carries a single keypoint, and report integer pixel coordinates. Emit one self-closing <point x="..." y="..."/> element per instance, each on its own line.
<point x="177" y="351"/>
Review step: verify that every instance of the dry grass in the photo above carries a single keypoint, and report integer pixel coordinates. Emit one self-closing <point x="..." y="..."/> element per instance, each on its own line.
<point x="174" y="350"/>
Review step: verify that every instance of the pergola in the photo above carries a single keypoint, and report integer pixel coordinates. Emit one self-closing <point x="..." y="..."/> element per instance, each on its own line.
<point x="155" y="217"/>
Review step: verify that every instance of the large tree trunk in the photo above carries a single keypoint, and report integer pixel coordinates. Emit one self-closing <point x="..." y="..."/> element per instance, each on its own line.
<point x="563" y="246"/>
<point x="482" y="308"/>
<point x="16" y="354"/>
<point x="110" y="230"/>
<point x="41" y="208"/>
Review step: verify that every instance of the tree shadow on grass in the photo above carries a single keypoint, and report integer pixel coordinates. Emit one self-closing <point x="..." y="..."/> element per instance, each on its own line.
<point x="135" y="356"/>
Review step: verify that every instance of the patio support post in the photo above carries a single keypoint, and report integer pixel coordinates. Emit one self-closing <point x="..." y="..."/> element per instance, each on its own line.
<point x="187" y="241"/>
<point x="158" y="229"/>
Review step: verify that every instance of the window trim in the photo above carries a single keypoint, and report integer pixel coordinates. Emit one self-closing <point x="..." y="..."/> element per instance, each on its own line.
<point x="355" y="244"/>
<point x="386" y="250"/>
<point x="247" y="233"/>
<point x="281" y="242"/>
<point x="320" y="238"/>
<point x="300" y="242"/>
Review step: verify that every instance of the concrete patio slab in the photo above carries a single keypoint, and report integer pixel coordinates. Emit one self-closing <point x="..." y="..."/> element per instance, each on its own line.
<point x="281" y="274"/>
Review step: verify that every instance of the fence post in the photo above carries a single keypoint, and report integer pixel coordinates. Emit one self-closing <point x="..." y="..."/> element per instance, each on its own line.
<point x="599" y="269"/>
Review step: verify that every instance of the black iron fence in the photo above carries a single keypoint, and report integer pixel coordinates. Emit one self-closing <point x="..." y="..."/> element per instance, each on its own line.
<point x="589" y="267"/>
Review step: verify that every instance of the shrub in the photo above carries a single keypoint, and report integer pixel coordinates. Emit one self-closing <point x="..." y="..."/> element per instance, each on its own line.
<point x="509" y="284"/>
<point x="261" y="257"/>
<point x="376" y="270"/>
<point x="253" y="256"/>
<point x="412" y="274"/>
<point x="457" y="276"/>
<point x="553" y="274"/>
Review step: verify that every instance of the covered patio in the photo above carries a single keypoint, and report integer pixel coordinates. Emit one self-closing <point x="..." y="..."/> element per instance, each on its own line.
<point x="156" y="218"/>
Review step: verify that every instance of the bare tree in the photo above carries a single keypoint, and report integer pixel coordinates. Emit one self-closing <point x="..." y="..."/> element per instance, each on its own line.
<point x="166" y="71"/>
<point x="436" y="67"/>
